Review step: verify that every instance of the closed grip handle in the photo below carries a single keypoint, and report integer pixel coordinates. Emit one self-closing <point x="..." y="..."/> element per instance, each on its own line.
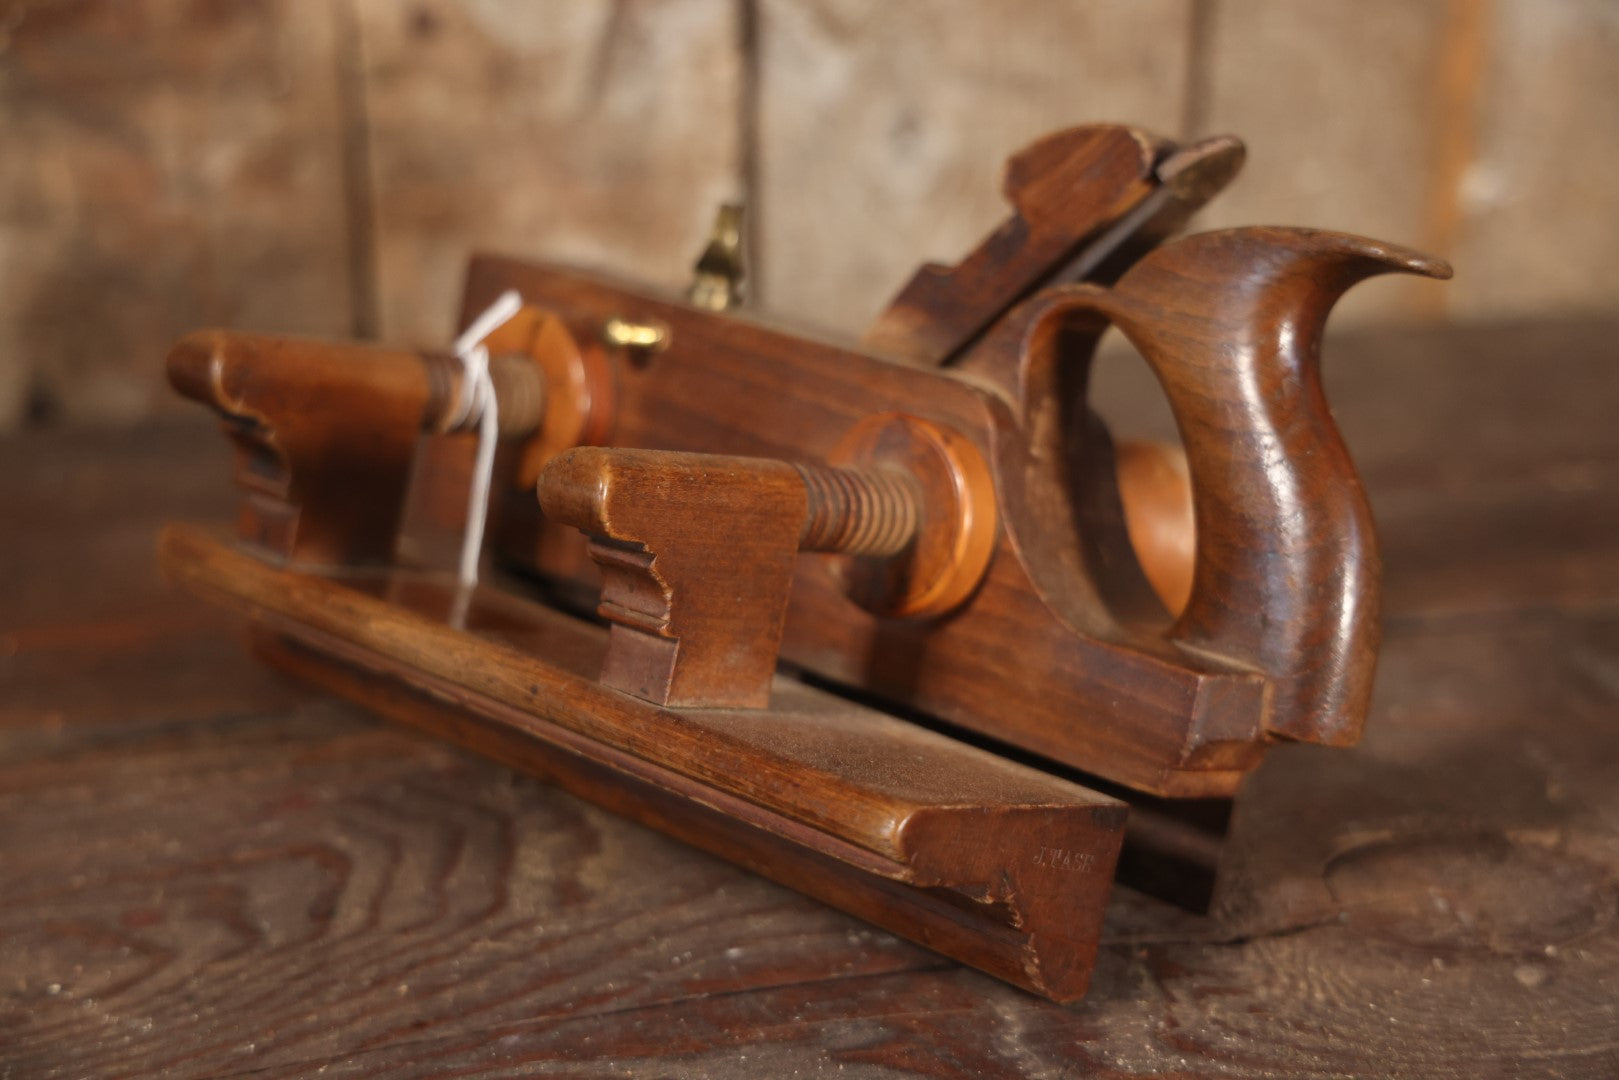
<point x="1287" y="567"/>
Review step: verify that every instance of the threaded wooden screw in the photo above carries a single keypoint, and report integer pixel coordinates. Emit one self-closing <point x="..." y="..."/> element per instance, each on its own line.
<point x="519" y="389"/>
<point x="859" y="511"/>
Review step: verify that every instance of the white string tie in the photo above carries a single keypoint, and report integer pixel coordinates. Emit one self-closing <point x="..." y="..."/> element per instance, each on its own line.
<point x="477" y="400"/>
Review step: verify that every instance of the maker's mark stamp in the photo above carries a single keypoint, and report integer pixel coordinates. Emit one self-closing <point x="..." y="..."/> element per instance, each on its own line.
<point x="1065" y="859"/>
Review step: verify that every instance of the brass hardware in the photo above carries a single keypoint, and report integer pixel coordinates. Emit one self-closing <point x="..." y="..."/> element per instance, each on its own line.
<point x="644" y="336"/>
<point x="720" y="270"/>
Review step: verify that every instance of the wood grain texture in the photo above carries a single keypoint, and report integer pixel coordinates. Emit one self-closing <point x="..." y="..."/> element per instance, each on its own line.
<point x="1243" y="380"/>
<point x="1334" y="104"/>
<point x="602" y="133"/>
<point x="288" y="166"/>
<point x="167" y="165"/>
<point x="696" y="552"/>
<point x="696" y="555"/>
<point x="1037" y="659"/>
<point x="1087" y="202"/>
<point x="990" y="862"/>
<point x="204" y="875"/>
<point x="366" y="902"/>
<point x="292" y="407"/>
<point x="882" y="128"/>
<point x="1518" y="498"/>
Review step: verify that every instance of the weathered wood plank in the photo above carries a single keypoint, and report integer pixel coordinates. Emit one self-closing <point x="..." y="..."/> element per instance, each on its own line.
<point x="306" y="891"/>
<point x="603" y="134"/>
<point x="109" y="491"/>
<point x="350" y="884"/>
<point x="1539" y="206"/>
<point x="201" y="876"/>
<point x="166" y="164"/>
<point x="883" y="127"/>
<point x="93" y="644"/>
<point x="1335" y="103"/>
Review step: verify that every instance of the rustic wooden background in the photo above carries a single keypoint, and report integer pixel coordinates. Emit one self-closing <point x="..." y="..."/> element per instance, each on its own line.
<point x="324" y="166"/>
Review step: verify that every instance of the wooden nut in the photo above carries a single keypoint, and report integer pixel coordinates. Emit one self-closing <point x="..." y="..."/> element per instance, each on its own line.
<point x="955" y="527"/>
<point x="575" y="403"/>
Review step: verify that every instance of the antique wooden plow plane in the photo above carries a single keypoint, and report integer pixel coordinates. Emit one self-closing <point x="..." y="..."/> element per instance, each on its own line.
<point x="748" y="586"/>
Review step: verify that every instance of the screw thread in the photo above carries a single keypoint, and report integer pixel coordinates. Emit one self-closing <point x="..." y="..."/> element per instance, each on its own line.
<point x="859" y="511"/>
<point x="519" y="390"/>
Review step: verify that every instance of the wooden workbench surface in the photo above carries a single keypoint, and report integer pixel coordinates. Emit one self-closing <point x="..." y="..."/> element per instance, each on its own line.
<point x="206" y="870"/>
